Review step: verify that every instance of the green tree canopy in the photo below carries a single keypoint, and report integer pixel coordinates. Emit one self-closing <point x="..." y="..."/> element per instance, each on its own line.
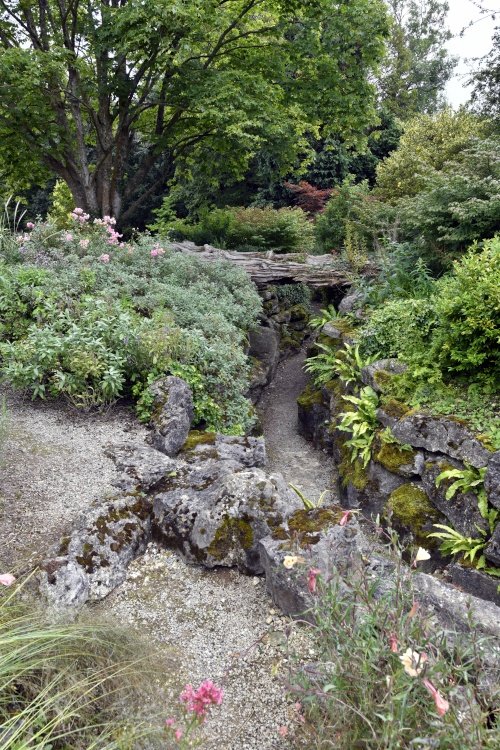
<point x="417" y="65"/>
<point x="114" y="96"/>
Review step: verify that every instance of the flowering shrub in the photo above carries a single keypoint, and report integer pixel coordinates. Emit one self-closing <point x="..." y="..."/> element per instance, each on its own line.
<point x="385" y="678"/>
<point x="89" y="317"/>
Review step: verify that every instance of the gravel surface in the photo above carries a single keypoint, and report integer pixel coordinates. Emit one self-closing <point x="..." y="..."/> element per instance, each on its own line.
<point x="311" y="470"/>
<point x="52" y="465"/>
<point x="219" y="625"/>
<point x="205" y="624"/>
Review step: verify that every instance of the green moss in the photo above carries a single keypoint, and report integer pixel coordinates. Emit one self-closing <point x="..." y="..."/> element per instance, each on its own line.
<point x="352" y="473"/>
<point x="306" y="525"/>
<point x="232" y="531"/>
<point x="309" y="397"/>
<point x="198" y="437"/>
<point x="395" y="408"/>
<point x="299" y="312"/>
<point x="393" y="456"/>
<point x="383" y="379"/>
<point x="412" y="508"/>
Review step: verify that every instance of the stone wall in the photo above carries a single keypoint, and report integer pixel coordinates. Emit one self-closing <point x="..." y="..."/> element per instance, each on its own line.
<point x="399" y="480"/>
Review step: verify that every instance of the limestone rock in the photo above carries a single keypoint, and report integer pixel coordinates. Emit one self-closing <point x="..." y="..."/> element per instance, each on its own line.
<point x="235" y="452"/>
<point x="441" y="435"/>
<point x="339" y="548"/>
<point x="350" y="303"/>
<point x="172" y="414"/>
<point x="379" y="373"/>
<point x="220" y="521"/>
<point x="492" y="480"/>
<point x="93" y="560"/>
<point x="475" y="582"/>
<point x="141" y="467"/>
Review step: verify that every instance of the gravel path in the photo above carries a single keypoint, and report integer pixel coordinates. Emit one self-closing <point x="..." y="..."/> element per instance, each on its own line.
<point x="52" y="465"/>
<point x="311" y="470"/>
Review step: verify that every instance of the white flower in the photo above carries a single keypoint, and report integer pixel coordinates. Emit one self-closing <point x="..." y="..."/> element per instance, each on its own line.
<point x="421" y="555"/>
<point x="413" y="662"/>
<point x="290" y="560"/>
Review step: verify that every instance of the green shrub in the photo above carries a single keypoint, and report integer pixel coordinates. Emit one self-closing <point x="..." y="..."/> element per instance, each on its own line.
<point x="56" y="301"/>
<point x="455" y="206"/>
<point x="294" y="294"/>
<point x="283" y="230"/>
<point x="467" y="305"/>
<point x="400" y="328"/>
<point x="427" y="144"/>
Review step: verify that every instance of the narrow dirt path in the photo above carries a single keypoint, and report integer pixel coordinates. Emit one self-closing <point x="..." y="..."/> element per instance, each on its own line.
<point x="311" y="470"/>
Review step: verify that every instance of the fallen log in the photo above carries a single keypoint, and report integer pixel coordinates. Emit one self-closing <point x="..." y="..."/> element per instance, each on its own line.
<point x="266" y="268"/>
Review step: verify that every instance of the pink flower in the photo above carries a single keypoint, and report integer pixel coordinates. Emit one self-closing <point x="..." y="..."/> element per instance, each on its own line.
<point x="178" y="734"/>
<point x="7" y="579"/>
<point x="154" y="253"/>
<point x="30" y="225"/>
<point x="104" y="258"/>
<point x="78" y="211"/>
<point x="283" y="731"/>
<point x="345" y="517"/>
<point x="84" y="244"/>
<point x="442" y="704"/>
<point x="311" y="579"/>
<point x="68" y="237"/>
<point x="169" y="722"/>
<point x="393" y="643"/>
<point x="199" y="701"/>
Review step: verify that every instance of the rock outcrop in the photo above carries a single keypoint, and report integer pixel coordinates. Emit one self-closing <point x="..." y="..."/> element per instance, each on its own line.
<point x="172" y="414"/>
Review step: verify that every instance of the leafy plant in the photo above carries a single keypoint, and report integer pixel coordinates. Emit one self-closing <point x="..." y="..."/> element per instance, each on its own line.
<point x="471" y="548"/>
<point x="327" y="315"/>
<point x="469" y="479"/>
<point x="308" y="503"/>
<point x="366" y="688"/>
<point x="349" y="363"/>
<point x="466" y="480"/>
<point x="361" y="423"/>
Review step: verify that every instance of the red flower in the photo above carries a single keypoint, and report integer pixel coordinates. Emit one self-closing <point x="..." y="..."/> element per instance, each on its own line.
<point x="311" y="579"/>
<point x="442" y="704"/>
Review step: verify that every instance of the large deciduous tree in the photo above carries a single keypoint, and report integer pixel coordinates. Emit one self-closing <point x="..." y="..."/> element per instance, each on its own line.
<point x="486" y="82"/>
<point x="418" y="64"/>
<point x="112" y="95"/>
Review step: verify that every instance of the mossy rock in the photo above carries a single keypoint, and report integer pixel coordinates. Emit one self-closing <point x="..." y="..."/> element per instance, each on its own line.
<point x="306" y="525"/>
<point x="393" y="456"/>
<point x="412" y="508"/>
<point x="394" y="408"/>
<point x="309" y="397"/>
<point x="351" y="472"/>
<point x="299" y="312"/>
<point x="198" y="437"/>
<point x="231" y="532"/>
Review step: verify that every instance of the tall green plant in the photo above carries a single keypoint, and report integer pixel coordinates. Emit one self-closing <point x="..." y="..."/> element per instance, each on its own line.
<point x="361" y="424"/>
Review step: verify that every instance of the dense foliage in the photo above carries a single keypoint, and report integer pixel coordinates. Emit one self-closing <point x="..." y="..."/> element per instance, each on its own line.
<point x="283" y="230"/>
<point x="94" y="321"/>
<point x="116" y="100"/>
<point x="385" y="677"/>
